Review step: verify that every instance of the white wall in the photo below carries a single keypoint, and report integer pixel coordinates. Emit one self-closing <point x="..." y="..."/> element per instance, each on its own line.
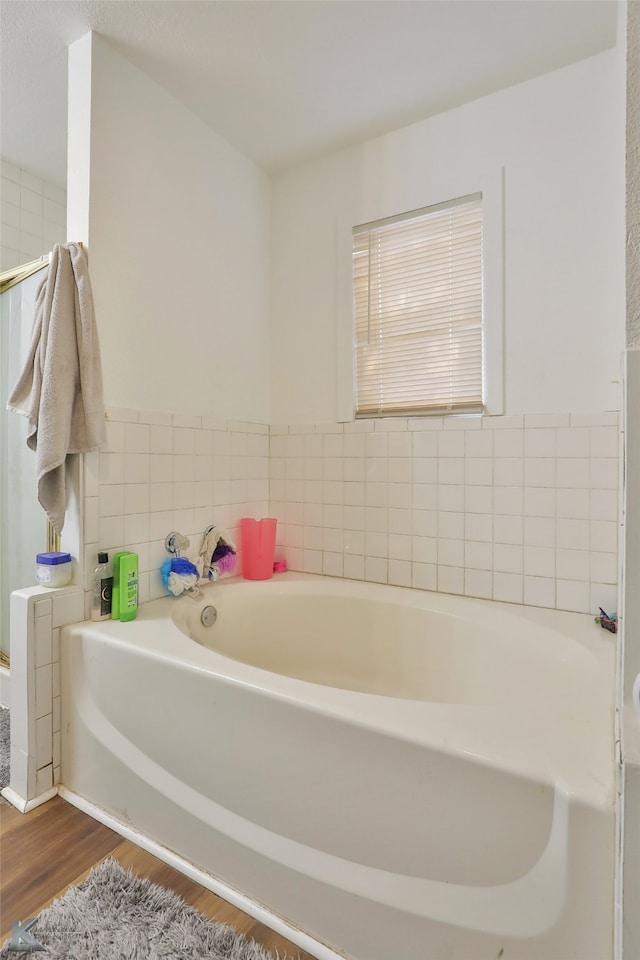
<point x="633" y="179"/>
<point x="630" y="934"/>
<point x="559" y="139"/>
<point x="178" y="224"/>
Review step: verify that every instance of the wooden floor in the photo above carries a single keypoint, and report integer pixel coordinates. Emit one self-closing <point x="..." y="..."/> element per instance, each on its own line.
<point x="54" y="846"/>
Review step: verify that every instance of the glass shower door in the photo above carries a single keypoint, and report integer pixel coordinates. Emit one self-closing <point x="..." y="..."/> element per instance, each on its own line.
<point x="22" y="520"/>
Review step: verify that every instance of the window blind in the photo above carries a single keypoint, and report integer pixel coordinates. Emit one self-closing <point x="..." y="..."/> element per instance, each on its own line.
<point x="418" y="311"/>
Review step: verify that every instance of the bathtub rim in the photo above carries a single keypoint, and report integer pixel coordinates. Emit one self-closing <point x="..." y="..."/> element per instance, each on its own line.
<point x="562" y="649"/>
<point x="564" y="622"/>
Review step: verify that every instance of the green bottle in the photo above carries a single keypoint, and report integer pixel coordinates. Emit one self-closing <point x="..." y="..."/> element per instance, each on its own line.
<point x="128" y="593"/>
<point x="115" y="590"/>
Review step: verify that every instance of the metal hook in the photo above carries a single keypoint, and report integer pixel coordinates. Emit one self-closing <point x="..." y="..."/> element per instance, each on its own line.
<point x="175" y="542"/>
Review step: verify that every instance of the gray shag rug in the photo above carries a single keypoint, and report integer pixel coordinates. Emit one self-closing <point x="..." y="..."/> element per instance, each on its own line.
<point x="5" y="749"/>
<point x="114" y="915"/>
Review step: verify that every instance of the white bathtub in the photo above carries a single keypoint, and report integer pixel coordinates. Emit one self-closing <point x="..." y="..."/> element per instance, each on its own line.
<point x="400" y="774"/>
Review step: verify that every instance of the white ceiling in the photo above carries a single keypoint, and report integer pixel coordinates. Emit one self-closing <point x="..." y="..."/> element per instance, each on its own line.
<point x="285" y="80"/>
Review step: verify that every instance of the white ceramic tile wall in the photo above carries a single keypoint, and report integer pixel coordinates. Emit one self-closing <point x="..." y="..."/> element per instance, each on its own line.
<point x="522" y="509"/>
<point x="161" y="472"/>
<point x="33" y="215"/>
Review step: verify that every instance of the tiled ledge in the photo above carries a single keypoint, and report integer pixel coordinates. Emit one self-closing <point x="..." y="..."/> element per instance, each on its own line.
<point x="37" y="614"/>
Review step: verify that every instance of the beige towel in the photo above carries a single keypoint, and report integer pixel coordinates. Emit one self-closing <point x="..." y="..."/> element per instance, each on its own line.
<point x="212" y="536"/>
<point x="60" y="387"/>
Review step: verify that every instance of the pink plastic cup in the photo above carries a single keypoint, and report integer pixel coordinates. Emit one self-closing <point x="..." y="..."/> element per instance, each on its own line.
<point x="258" y="543"/>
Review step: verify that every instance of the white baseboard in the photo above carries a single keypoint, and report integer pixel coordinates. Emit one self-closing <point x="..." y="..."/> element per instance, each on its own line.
<point x="239" y="900"/>
<point x="25" y="806"/>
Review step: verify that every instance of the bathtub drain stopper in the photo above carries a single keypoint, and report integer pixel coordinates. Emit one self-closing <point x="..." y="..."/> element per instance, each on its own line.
<point x="208" y="616"/>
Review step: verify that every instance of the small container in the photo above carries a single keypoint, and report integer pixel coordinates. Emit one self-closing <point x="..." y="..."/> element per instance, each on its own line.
<point x="53" y="569"/>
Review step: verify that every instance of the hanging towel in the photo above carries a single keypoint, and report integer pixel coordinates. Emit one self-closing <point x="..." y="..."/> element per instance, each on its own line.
<point x="60" y="387"/>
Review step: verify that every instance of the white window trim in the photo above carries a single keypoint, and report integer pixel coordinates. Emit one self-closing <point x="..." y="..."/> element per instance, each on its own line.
<point x="491" y="186"/>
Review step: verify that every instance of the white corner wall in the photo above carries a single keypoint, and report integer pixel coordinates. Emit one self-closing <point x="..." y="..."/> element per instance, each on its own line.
<point x="630" y="720"/>
<point x="177" y="223"/>
<point x="559" y="139"/>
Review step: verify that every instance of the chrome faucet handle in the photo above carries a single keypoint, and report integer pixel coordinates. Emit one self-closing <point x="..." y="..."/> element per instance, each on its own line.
<point x="175" y="542"/>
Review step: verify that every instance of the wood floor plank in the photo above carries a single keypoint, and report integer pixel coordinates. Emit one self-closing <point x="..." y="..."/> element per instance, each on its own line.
<point x="43" y="853"/>
<point x="73" y="882"/>
<point x="56" y="845"/>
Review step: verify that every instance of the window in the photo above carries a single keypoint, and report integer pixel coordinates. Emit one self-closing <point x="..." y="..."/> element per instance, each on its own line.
<point x="419" y="310"/>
